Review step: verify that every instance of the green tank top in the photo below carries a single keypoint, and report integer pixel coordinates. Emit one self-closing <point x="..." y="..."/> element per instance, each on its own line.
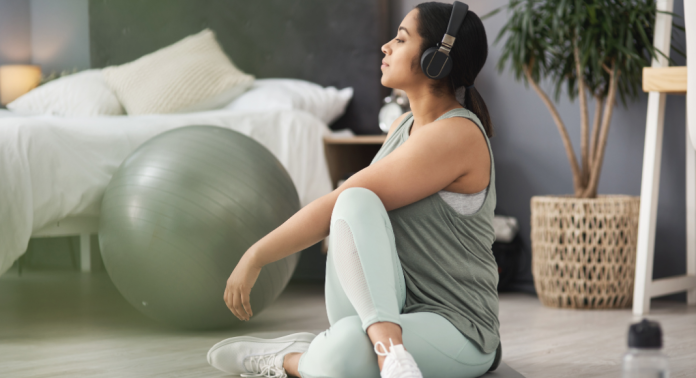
<point x="446" y="256"/>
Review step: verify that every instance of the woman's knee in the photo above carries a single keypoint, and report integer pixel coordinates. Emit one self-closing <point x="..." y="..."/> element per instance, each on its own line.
<point x="359" y="212"/>
<point x="344" y="350"/>
<point x="358" y="201"/>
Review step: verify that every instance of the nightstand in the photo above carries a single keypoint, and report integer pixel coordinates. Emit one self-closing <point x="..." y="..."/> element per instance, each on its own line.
<point x="349" y="155"/>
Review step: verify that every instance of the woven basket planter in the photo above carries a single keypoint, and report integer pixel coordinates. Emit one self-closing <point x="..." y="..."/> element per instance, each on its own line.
<point x="584" y="250"/>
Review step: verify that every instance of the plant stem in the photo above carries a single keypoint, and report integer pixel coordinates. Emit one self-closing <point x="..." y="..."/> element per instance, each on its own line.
<point x="591" y="189"/>
<point x="599" y="105"/>
<point x="561" y="129"/>
<point x="584" y="127"/>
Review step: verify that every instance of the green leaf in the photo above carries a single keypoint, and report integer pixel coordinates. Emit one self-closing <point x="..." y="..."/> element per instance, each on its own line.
<point x="619" y="31"/>
<point x="492" y="13"/>
<point x="592" y="10"/>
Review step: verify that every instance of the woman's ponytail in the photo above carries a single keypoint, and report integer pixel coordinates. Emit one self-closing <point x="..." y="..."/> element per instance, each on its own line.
<point x="474" y="102"/>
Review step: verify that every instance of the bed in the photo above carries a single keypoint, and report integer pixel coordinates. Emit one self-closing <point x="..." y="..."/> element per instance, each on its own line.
<point x="54" y="169"/>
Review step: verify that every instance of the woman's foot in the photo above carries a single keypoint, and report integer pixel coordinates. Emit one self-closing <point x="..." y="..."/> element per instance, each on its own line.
<point x="253" y="357"/>
<point x="398" y="362"/>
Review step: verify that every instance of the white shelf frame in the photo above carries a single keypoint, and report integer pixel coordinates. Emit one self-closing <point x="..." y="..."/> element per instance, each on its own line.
<point x="645" y="287"/>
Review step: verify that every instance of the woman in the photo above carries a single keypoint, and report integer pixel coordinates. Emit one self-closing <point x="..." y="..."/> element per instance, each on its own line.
<point x="411" y="279"/>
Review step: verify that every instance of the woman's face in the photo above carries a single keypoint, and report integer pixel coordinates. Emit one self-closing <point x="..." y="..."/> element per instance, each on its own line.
<point x="401" y="63"/>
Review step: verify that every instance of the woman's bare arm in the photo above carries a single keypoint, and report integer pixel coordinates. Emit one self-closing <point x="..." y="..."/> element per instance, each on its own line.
<point x="305" y="228"/>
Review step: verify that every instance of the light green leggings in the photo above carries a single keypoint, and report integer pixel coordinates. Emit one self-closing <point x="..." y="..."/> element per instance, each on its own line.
<point x="364" y="285"/>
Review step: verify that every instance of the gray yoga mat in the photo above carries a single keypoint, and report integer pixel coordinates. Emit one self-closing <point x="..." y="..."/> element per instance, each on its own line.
<point x="503" y="371"/>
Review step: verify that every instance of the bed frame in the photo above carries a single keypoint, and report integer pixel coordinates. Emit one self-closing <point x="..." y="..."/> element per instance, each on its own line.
<point x="329" y="42"/>
<point x="83" y="227"/>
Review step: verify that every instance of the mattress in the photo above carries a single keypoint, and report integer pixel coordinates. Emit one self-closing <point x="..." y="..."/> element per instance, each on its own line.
<point x="52" y="168"/>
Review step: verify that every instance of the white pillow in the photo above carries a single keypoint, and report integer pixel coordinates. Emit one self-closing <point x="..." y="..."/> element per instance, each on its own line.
<point x="192" y="74"/>
<point x="327" y="104"/>
<point x="80" y="94"/>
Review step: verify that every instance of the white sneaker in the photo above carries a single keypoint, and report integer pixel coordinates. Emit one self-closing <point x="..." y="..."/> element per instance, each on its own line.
<point x="255" y="357"/>
<point x="399" y="362"/>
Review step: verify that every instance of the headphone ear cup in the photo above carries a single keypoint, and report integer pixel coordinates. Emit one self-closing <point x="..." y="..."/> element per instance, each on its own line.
<point x="435" y="64"/>
<point x="426" y="58"/>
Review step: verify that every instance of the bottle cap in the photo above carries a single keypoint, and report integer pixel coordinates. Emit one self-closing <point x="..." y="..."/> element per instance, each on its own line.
<point x="646" y="334"/>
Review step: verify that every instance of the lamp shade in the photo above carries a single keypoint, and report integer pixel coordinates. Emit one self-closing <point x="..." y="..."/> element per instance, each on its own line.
<point x="16" y="80"/>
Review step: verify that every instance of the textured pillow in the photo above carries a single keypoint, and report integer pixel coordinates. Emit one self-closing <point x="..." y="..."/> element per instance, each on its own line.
<point x="81" y="94"/>
<point x="190" y="75"/>
<point x="327" y="104"/>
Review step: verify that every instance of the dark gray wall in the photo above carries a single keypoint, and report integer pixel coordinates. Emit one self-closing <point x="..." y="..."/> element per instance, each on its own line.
<point x="328" y="42"/>
<point x="530" y="159"/>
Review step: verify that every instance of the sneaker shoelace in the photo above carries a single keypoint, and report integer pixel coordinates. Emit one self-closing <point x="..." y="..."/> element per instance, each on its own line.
<point x="263" y="366"/>
<point x="399" y="367"/>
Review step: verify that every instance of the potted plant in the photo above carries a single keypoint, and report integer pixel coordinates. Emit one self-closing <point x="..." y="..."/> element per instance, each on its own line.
<point x="583" y="245"/>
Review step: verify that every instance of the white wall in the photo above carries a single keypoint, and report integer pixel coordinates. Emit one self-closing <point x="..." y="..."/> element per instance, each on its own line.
<point x="60" y="34"/>
<point x="15" y="32"/>
<point x="51" y="33"/>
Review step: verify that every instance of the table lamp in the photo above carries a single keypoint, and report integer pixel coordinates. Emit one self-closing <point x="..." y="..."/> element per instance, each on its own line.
<point x="16" y="80"/>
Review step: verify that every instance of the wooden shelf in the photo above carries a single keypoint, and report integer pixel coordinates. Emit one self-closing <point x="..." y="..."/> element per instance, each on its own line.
<point x="358" y="139"/>
<point x="664" y="79"/>
<point x="350" y="154"/>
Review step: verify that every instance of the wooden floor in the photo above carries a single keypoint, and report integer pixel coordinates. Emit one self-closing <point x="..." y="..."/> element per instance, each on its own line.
<point x="68" y="324"/>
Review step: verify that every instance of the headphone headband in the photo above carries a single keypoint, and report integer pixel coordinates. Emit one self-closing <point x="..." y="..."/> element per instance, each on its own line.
<point x="436" y="62"/>
<point x="459" y="10"/>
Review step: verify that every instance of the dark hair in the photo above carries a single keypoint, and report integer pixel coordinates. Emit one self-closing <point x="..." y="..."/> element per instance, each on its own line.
<point x="468" y="54"/>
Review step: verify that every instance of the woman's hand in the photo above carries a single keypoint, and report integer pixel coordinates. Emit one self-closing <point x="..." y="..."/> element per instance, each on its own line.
<point x="239" y="287"/>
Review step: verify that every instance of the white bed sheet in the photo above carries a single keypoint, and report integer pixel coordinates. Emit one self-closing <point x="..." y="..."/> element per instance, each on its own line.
<point x="54" y="167"/>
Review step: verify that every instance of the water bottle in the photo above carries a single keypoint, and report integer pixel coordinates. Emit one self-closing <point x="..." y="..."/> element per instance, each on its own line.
<point x="644" y="358"/>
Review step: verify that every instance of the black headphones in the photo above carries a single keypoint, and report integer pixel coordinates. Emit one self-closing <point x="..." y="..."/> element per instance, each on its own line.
<point x="435" y="61"/>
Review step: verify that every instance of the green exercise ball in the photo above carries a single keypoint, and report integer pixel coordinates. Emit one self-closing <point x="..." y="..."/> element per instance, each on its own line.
<point x="178" y="215"/>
